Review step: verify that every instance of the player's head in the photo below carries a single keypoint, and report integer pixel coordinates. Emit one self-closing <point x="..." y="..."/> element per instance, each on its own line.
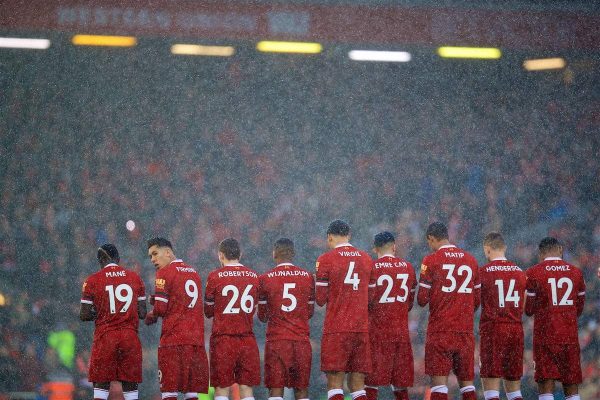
<point x="384" y="243"/>
<point x="494" y="245"/>
<point x="550" y="247"/>
<point x="436" y="235"/>
<point x="107" y="254"/>
<point x="160" y="251"/>
<point x="283" y="250"/>
<point x="338" y="232"/>
<point x="229" y="250"/>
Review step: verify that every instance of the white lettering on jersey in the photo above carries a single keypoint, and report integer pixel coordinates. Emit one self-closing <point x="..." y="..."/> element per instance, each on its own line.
<point x="502" y="268"/>
<point x="114" y="274"/>
<point x="454" y="255"/>
<point x="397" y="264"/>
<point x="349" y="253"/>
<point x="286" y="273"/>
<point x="237" y="273"/>
<point x="558" y="268"/>
<point x="185" y="269"/>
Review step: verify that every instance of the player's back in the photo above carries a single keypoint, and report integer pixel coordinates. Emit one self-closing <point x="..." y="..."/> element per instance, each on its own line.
<point x="346" y="272"/>
<point x="180" y="286"/>
<point x="451" y="274"/>
<point x="392" y="298"/>
<point x="232" y="289"/>
<point x="502" y="293"/>
<point x="114" y="292"/>
<point x="288" y="291"/>
<point x="554" y="290"/>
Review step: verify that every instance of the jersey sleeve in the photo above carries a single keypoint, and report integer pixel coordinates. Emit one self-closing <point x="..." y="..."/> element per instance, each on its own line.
<point x="530" y="295"/>
<point x="425" y="282"/>
<point x="580" y="295"/>
<point x="161" y="293"/>
<point x="87" y="291"/>
<point x="476" y="286"/>
<point x="263" y="305"/>
<point x="322" y="281"/>
<point x="372" y="279"/>
<point x="412" y="287"/>
<point x="311" y="298"/>
<point x="209" y="297"/>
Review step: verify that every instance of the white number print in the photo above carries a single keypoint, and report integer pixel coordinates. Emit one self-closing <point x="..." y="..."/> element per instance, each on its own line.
<point x="352" y="277"/>
<point x="192" y="290"/>
<point x="511" y="295"/>
<point x="464" y="287"/>
<point x="554" y="286"/>
<point x="291" y="297"/>
<point x="246" y="302"/>
<point x="387" y="280"/>
<point x="122" y="293"/>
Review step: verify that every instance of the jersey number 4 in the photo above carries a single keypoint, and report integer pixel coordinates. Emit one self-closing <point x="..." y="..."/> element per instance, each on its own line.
<point x="462" y="270"/>
<point x="352" y="277"/>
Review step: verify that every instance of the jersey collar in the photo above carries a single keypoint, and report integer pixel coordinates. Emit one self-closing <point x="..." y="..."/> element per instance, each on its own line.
<point x="176" y="261"/>
<point x="446" y="246"/>
<point x="552" y="259"/>
<point x="343" y="245"/>
<point x="282" y="264"/>
<point x="110" y="265"/>
<point x="386" y="255"/>
<point x="233" y="265"/>
<point x="500" y="259"/>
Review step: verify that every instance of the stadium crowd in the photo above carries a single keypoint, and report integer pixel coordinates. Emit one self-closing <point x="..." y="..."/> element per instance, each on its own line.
<point x="258" y="148"/>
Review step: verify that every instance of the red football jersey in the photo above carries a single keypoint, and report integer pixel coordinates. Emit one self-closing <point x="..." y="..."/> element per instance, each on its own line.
<point x="449" y="282"/>
<point x="178" y="300"/>
<point x="286" y="299"/>
<point x="555" y="295"/>
<point x="343" y="280"/>
<point x="392" y="298"/>
<point x="502" y="293"/>
<point x="114" y="292"/>
<point x="231" y="297"/>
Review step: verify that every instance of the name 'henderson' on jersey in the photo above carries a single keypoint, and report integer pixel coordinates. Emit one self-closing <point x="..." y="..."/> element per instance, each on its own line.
<point x="450" y="276"/>
<point x="343" y="277"/>
<point x="288" y="294"/>
<point x="502" y="292"/>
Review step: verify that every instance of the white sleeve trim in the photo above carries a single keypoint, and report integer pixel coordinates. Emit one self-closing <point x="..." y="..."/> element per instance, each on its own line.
<point x="413" y="290"/>
<point x="311" y="302"/>
<point x="528" y="293"/>
<point x="161" y="299"/>
<point x="373" y="285"/>
<point x="209" y="303"/>
<point x="262" y="302"/>
<point x="581" y="293"/>
<point x="87" y="301"/>
<point x="477" y="286"/>
<point x="425" y="285"/>
<point x="322" y="284"/>
<point x="142" y="298"/>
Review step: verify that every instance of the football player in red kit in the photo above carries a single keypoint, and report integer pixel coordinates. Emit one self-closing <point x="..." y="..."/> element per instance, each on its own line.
<point x="343" y="279"/>
<point x="555" y="297"/>
<point x="286" y="302"/>
<point x="388" y="320"/>
<point x="500" y="327"/>
<point x="115" y="299"/>
<point x="231" y="300"/>
<point x="449" y="283"/>
<point x="182" y="361"/>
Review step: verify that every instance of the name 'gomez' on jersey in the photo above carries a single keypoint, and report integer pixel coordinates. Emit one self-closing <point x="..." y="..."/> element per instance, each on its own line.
<point x="450" y="277"/>
<point x="502" y="292"/>
<point x="231" y="295"/>
<point x="178" y="300"/>
<point x="343" y="280"/>
<point x="392" y="298"/>
<point x="287" y="297"/>
<point x="114" y="292"/>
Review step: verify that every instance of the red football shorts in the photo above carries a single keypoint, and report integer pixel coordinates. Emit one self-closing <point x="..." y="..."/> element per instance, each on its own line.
<point x="501" y="352"/>
<point x="234" y="359"/>
<point x="392" y="363"/>
<point x="287" y="364"/>
<point x="557" y="361"/>
<point x="183" y="368"/>
<point x="447" y="351"/>
<point x="346" y="352"/>
<point x="116" y="356"/>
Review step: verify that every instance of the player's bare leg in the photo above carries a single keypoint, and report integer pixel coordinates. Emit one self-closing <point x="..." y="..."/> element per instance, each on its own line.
<point x="130" y="390"/>
<point x="335" y="384"/>
<point x="571" y="391"/>
<point x="439" y="387"/>
<point x="513" y="390"/>
<point x="356" y="384"/>
<point x="221" y="393"/>
<point x="467" y="390"/>
<point x="491" y="388"/>
<point x="101" y="390"/>
<point x="246" y="392"/>
<point x="400" y="393"/>
<point x="546" y="389"/>
<point x="301" y="393"/>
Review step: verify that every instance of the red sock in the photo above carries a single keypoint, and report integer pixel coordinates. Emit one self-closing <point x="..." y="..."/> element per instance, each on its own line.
<point x="439" y="396"/>
<point x="401" y="394"/>
<point x="469" y="395"/>
<point x="371" y="393"/>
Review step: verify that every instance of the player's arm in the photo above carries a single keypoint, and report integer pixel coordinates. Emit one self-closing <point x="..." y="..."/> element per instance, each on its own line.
<point x="311" y="298"/>
<point x="321" y="282"/>
<point x="263" y="304"/>
<point x="425" y="283"/>
<point x="412" y="290"/>
<point x="476" y="287"/>
<point x="580" y="296"/>
<point x="141" y="299"/>
<point x="209" y="298"/>
<point x="87" y="312"/>
<point x="530" y="294"/>
<point x="372" y="283"/>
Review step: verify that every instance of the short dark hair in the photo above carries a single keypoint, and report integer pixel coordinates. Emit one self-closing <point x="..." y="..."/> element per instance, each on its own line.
<point x="284" y="248"/>
<point x="338" y="228"/>
<point x="549" y="244"/>
<point x="108" y="253"/>
<point x="160" y="242"/>
<point x="495" y="240"/>
<point x="383" y="238"/>
<point x="230" y="249"/>
<point x="437" y="230"/>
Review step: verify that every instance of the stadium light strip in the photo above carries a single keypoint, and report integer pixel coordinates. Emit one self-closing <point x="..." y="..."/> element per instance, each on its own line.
<point x="542" y="64"/>
<point x="289" y="47"/>
<point x="199" y="50"/>
<point x="103" y="40"/>
<point x="24" y="43"/>
<point x="382" y="56"/>
<point x="486" y="53"/>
